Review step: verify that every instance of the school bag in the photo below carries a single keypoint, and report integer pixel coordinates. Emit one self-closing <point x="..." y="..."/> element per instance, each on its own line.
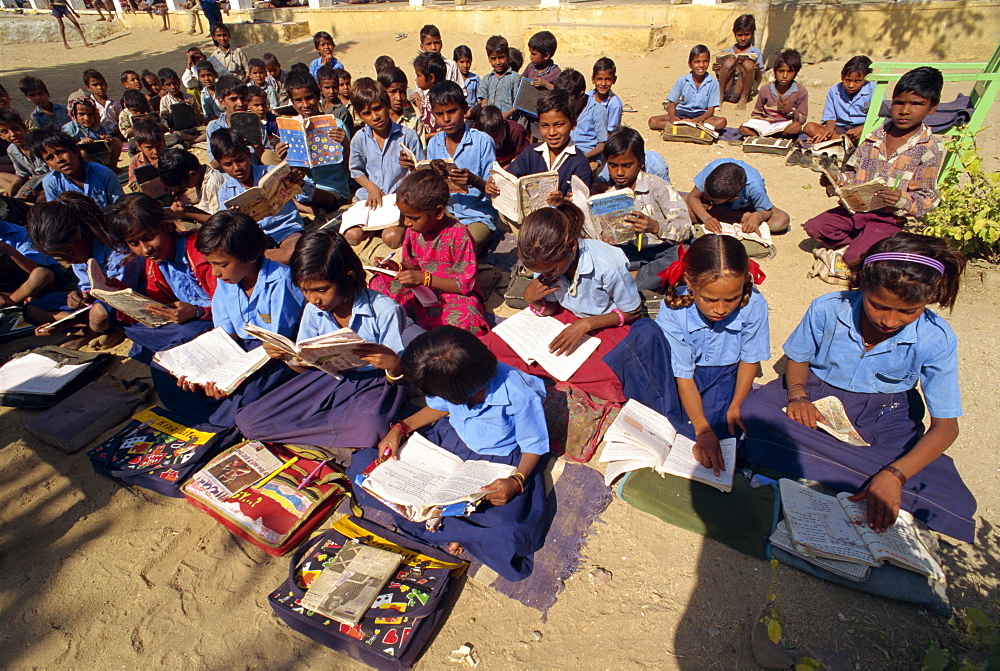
<point x="576" y="421"/>
<point x="397" y="628"/>
<point x="278" y="514"/>
<point x="156" y="450"/>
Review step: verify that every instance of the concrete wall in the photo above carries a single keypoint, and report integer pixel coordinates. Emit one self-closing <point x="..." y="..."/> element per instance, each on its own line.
<point x="949" y="30"/>
<point x="18" y="30"/>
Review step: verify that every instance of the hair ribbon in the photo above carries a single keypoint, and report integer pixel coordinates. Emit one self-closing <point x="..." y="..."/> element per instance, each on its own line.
<point x="755" y="272"/>
<point x="672" y="274"/>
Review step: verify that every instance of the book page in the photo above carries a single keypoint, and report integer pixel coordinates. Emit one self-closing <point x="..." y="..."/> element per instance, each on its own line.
<point x="846" y="569"/>
<point x="238" y="470"/>
<point x="466" y="482"/>
<point x="126" y="301"/>
<point x="608" y="212"/>
<point x="506" y="202"/>
<point x="533" y="191"/>
<point x="681" y="462"/>
<point x="529" y="336"/>
<point x="333" y="352"/>
<point x="900" y="544"/>
<point x="862" y="197"/>
<point x="383" y="271"/>
<point x="292" y="132"/>
<point x="838" y="424"/>
<point x="580" y="195"/>
<point x="616" y="450"/>
<point x="253" y="202"/>
<point x="278" y="186"/>
<point x="272" y="338"/>
<point x="412" y="480"/>
<point x="322" y="150"/>
<point x="641" y="425"/>
<point x="762" y="235"/>
<point x="617" y="468"/>
<point x="818" y="522"/>
<point x="37" y="374"/>
<point x="360" y="215"/>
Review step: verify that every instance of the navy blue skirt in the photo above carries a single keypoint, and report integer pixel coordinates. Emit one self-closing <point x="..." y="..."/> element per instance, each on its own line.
<point x="314" y="408"/>
<point x="892" y="423"/>
<point x="642" y="363"/>
<point x="505" y="538"/>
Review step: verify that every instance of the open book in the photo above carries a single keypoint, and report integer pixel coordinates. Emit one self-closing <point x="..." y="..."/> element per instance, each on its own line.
<point x="529" y="336"/>
<point x="37" y="374"/>
<point x="270" y="195"/>
<point x="833" y="527"/>
<point x="241" y="468"/>
<point x="520" y="196"/>
<point x="369" y="219"/>
<point x="765" y="144"/>
<point x="852" y="571"/>
<point x="857" y="197"/>
<point x="643" y="438"/>
<point x="349" y="583"/>
<point x="309" y="143"/>
<point x="126" y="301"/>
<point x="608" y="211"/>
<point x="720" y="58"/>
<point x="425" y="295"/>
<point x="427" y="477"/>
<point x="761" y="236"/>
<point x="331" y="352"/>
<point x="212" y="357"/>
<point x="837" y="423"/>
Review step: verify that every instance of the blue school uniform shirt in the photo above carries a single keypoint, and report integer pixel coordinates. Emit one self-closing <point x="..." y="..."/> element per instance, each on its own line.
<point x="374" y="316"/>
<point x="316" y="64"/>
<point x="591" y="126"/>
<point x="614" y="106"/>
<point x="692" y="98"/>
<point x="476" y="154"/>
<point x="381" y="164"/>
<point x="75" y="130"/>
<point x="275" y="303"/>
<point x="214" y="125"/>
<point x="751" y="50"/>
<point x="601" y="282"/>
<point x="111" y="262"/>
<point x="510" y="416"/>
<point x="99" y="182"/>
<point x="829" y="339"/>
<point x="655" y="165"/>
<point x="210" y="108"/>
<point x="180" y="277"/>
<point x="40" y="119"/>
<point x="845" y="110"/>
<point x="753" y="195"/>
<point x="17" y="237"/>
<point x="472" y="90"/>
<point x="278" y="226"/>
<point x="744" y="336"/>
<point x="536" y="159"/>
<point x="499" y="90"/>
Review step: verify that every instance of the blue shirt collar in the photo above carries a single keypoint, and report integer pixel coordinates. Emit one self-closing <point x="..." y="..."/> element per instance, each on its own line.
<point x="697" y="322"/>
<point x="792" y="89"/>
<point x="851" y="315"/>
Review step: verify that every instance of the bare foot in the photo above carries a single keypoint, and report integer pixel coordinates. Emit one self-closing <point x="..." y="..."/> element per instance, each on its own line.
<point x="86" y="44"/>
<point x="67" y="46"/>
<point x="102" y="19"/>
<point x="742" y="104"/>
<point x="455" y="549"/>
<point x="163" y="30"/>
<point x="190" y="32"/>
<point x="108" y="339"/>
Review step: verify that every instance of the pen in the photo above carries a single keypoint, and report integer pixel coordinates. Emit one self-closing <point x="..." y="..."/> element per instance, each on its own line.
<point x="386" y="260"/>
<point x="285" y="465"/>
<point x="638" y="242"/>
<point x="896" y="185"/>
<point x="309" y="478"/>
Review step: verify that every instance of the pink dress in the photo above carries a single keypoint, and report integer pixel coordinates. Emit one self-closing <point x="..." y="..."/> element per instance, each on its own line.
<point x="447" y="251"/>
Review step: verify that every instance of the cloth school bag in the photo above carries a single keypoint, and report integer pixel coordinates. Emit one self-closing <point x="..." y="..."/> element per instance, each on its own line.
<point x="278" y="515"/>
<point x="397" y="628"/>
<point x="156" y="450"/>
<point x="576" y="421"/>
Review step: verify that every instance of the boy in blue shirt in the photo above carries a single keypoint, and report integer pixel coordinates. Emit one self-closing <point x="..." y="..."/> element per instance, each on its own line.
<point x="46" y="114"/>
<point x="730" y="191"/>
<point x="694" y="97"/>
<point x="473" y="154"/>
<point x="324" y="45"/>
<point x="604" y="77"/>
<point x="499" y="87"/>
<point x="70" y="172"/>
<point x="232" y="96"/>
<point x="87" y="128"/>
<point x="591" y="130"/>
<point x="207" y="76"/>
<point x="28" y="168"/>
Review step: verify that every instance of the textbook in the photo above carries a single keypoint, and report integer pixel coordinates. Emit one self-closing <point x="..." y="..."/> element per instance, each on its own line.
<point x="527" y="97"/>
<point x="683" y="130"/>
<point x="720" y="58"/>
<point x="220" y="69"/>
<point x="248" y="125"/>
<point x="241" y="468"/>
<point x="271" y="194"/>
<point x="126" y="301"/>
<point x="856" y="197"/>
<point x="331" y="352"/>
<point x="309" y="145"/>
<point x="426" y="478"/>
<point x="761" y="236"/>
<point x="845" y="569"/>
<point x="837" y="423"/>
<point x="37" y="374"/>
<point x="520" y="196"/>
<point x="147" y="178"/>
<point x="212" y="357"/>
<point x="425" y="295"/>
<point x="350" y="582"/>
<point x="368" y="219"/>
<point x="608" y="211"/>
<point x="835" y="528"/>
<point x="529" y="336"/>
<point x="640" y="437"/>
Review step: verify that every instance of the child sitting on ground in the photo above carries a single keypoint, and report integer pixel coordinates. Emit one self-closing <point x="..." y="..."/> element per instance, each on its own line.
<point x="694" y="97"/>
<point x="902" y="153"/>
<point x="277" y="76"/>
<point x="741" y="64"/>
<point x="26" y="182"/>
<point x="429" y="71"/>
<point x="258" y="77"/>
<point x="231" y="95"/>
<point x="107" y="109"/>
<point x="393" y="80"/>
<point x="130" y="82"/>
<point x="258" y="105"/>
<point x="438" y="253"/>
<point x="733" y="192"/>
<point x="207" y="78"/>
<point x="463" y="58"/>
<point x="151" y="145"/>
<point x="846" y="105"/>
<point x="499" y="87"/>
<point x="154" y="88"/>
<point x="173" y="94"/>
<point x="87" y="129"/>
<point x="324" y="45"/>
<point x="783" y="105"/>
<point x="136" y="109"/>
<point x="375" y="152"/>
<point x="509" y="137"/>
<point x="25" y="273"/>
<point x="477" y="409"/>
<point x="46" y="114"/>
<point x="232" y="57"/>
<point x="604" y="76"/>
<point x="591" y="129"/>
<point x="329" y="86"/>
<point x="195" y="186"/>
<point x="383" y="62"/>
<point x="70" y="172"/>
<point x="542" y="72"/>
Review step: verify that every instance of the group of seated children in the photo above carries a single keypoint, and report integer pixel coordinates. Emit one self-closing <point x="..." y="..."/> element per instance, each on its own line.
<point x="695" y="364"/>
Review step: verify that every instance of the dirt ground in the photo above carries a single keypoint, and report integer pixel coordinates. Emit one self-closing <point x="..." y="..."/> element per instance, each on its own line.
<point x="94" y="575"/>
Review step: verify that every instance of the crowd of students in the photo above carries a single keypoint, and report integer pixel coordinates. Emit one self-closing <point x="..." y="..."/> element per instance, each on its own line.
<point x="869" y="345"/>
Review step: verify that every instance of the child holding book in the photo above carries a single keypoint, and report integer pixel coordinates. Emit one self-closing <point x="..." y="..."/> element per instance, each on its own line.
<point x="499" y="87"/>
<point x="541" y="70"/>
<point x="477" y="408"/>
<point x="846" y="106"/>
<point x="232" y="57"/>
<point x="438" y="253"/>
<point x="353" y="411"/>
<point x="581" y="282"/>
<point x="174" y="94"/>
<point x="904" y="155"/>
<point x="869" y="347"/>
<point x="742" y="64"/>
<point x="698" y="363"/>
<point x="231" y="95"/>
<point x="70" y="172"/>
<point x="783" y="105"/>
<point x="604" y="76"/>
<point x="731" y="191"/>
<point x="195" y="185"/>
<point x="393" y="80"/>
<point x="87" y="128"/>
<point x="694" y="97"/>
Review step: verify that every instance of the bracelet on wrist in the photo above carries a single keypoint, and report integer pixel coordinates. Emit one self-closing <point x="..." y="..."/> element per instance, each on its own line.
<point x="536" y="311"/>
<point x="427" y="279"/>
<point x="394" y="378"/>
<point x="889" y="468"/>
<point x="403" y="428"/>
<point x="796" y="399"/>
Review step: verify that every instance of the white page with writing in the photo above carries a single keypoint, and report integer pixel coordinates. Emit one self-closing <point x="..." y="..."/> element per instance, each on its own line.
<point x="638" y="423"/>
<point x="469" y="479"/>
<point x="199" y="359"/>
<point x="619" y="451"/>
<point x="616" y="468"/>
<point x="506" y="202"/>
<point x="529" y="335"/>
<point x="681" y="462"/>
<point x="848" y="569"/>
<point x="899" y="544"/>
<point x="818" y="522"/>
<point x="37" y="374"/>
<point x="412" y="480"/>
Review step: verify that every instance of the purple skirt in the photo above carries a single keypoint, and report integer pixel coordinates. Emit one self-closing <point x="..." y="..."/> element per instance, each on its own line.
<point x="317" y="409"/>
<point x="505" y="538"/>
<point x="890" y="422"/>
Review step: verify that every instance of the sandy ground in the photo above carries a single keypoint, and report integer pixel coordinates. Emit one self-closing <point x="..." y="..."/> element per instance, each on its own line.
<point x="94" y="575"/>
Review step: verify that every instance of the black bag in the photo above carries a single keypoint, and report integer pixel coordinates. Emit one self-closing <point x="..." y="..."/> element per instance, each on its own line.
<point x="397" y="628"/>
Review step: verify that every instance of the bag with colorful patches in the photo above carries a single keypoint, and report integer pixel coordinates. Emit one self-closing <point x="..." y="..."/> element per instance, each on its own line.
<point x="158" y="451"/>
<point x="399" y="625"/>
<point x="278" y="514"/>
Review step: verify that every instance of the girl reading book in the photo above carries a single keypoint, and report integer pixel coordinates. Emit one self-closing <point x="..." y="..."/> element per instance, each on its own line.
<point x="868" y="347"/>
<point x="478" y="409"/>
<point x="696" y="363"/>
<point x="354" y="410"/>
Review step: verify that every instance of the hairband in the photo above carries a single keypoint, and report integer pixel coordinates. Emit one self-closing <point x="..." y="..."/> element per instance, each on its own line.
<point x="912" y="258"/>
<point x="675" y="271"/>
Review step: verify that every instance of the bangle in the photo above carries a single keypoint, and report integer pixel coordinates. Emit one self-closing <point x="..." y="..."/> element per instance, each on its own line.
<point x="427" y="279"/>
<point x="796" y="399"/>
<point x="536" y="311"/>
<point x="394" y="378"/>
<point x="895" y="471"/>
<point x="403" y="428"/>
<point x="519" y="479"/>
<point x="797" y="385"/>
<point x="621" y="316"/>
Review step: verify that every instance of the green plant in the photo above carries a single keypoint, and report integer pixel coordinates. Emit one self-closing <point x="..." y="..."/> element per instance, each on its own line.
<point x="969" y="212"/>
<point x="979" y="637"/>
